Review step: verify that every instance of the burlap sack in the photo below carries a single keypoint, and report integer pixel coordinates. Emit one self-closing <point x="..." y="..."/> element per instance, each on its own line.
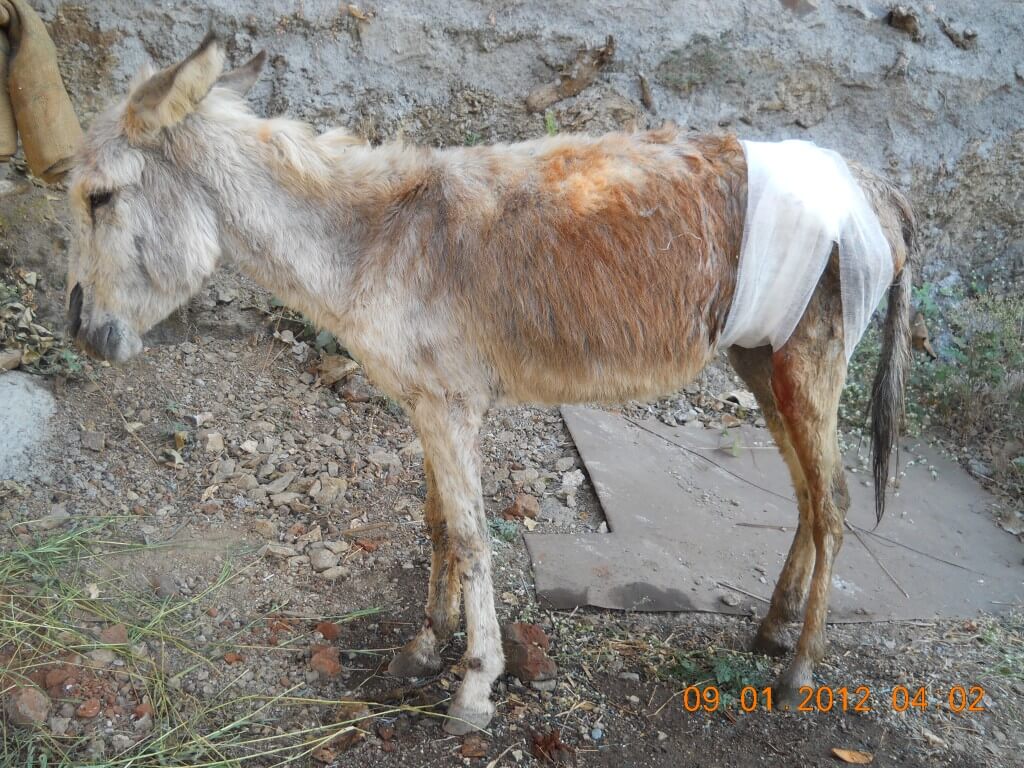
<point x="35" y="102"/>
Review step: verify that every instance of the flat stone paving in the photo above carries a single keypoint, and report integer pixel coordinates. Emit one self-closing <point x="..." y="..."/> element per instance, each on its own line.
<point x="701" y="520"/>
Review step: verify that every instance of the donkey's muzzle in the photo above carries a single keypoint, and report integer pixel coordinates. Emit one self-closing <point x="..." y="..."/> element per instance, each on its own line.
<point x="75" y="311"/>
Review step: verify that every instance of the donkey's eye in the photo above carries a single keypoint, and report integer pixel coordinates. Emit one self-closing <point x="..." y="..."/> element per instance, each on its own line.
<point x="97" y="199"/>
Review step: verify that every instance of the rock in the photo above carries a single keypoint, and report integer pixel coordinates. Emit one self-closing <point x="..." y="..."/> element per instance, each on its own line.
<point x="312" y="536"/>
<point x="27" y="706"/>
<point x="337" y="547"/>
<point x="103" y="657"/>
<point x="415" y="448"/>
<point x="336" y="573"/>
<point x="629" y="677"/>
<point x="322" y="559"/>
<point x="93" y="440"/>
<point x="526" y="656"/>
<point x="59" y="725"/>
<point x="331" y="488"/>
<point x="214" y="442"/>
<point x="281" y="483"/>
<point x="165" y="586"/>
<point x="116" y="634"/>
<point x="281" y="499"/>
<point x="277" y="551"/>
<point x="58" y="516"/>
<point x="265" y="528"/>
<point x="571" y="481"/>
<point x="524" y="505"/>
<point x="356" y="390"/>
<point x="384" y="460"/>
<point x="729" y="599"/>
<point x="88" y="708"/>
<point x="524" y="476"/>
<point x="249" y="446"/>
<point x="325" y="661"/>
<point x="198" y="419"/>
<point x="544" y="685"/>
<point x="554" y="511"/>
<point x="596" y="734"/>
<point x="565" y="463"/>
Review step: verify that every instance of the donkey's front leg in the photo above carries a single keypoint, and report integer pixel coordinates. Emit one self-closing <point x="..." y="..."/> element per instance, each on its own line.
<point x="449" y="429"/>
<point x="420" y="656"/>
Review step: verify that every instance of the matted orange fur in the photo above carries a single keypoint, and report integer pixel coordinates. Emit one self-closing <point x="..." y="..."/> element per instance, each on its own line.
<point x="566" y="269"/>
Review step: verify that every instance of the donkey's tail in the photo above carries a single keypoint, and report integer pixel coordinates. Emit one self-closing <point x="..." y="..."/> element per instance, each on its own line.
<point x="887" y="392"/>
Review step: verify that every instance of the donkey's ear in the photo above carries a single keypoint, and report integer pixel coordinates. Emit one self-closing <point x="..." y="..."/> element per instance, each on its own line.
<point x="170" y="95"/>
<point x="243" y="78"/>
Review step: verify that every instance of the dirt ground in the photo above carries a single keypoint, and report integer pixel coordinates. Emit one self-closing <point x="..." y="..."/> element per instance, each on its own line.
<point x="188" y="607"/>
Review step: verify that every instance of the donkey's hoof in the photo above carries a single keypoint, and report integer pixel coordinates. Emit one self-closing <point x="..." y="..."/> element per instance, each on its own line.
<point x="462" y="720"/>
<point x="770" y="644"/>
<point x="786" y="693"/>
<point x="414" y="663"/>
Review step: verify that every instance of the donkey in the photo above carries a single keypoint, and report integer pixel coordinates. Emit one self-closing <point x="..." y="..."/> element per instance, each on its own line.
<point x="545" y="272"/>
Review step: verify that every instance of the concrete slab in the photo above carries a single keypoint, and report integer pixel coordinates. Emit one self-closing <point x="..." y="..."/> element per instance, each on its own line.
<point x="25" y="409"/>
<point x="696" y="516"/>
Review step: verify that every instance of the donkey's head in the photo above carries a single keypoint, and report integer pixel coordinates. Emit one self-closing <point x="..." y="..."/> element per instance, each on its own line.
<point x="145" y="233"/>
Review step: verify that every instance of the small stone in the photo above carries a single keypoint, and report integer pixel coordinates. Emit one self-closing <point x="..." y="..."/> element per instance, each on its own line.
<point x="277" y="551"/>
<point x="214" y="442"/>
<point x="629" y="677"/>
<point x="524" y="505"/>
<point x="93" y="440"/>
<point x="335" y="573"/>
<point x="312" y="536"/>
<point x="322" y="559"/>
<point x="524" y="476"/>
<point x="58" y="516"/>
<point x="565" y="463"/>
<point x="88" y="708"/>
<point x="59" y="725"/>
<point x="325" y="661"/>
<point x="331" y="488"/>
<point x="662" y="736"/>
<point x="633" y="699"/>
<point x="526" y="656"/>
<point x="337" y="547"/>
<point x="265" y="528"/>
<point x="596" y="734"/>
<point x="415" y="448"/>
<point x="572" y="480"/>
<point x="281" y="484"/>
<point x="249" y="446"/>
<point x="544" y="685"/>
<point x="729" y="599"/>
<point x="116" y="634"/>
<point x="198" y="419"/>
<point x="383" y="459"/>
<point x="282" y="499"/>
<point x="103" y="657"/>
<point x="27" y="706"/>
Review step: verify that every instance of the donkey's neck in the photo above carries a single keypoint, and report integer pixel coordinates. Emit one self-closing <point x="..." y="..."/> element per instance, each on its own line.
<point x="296" y="210"/>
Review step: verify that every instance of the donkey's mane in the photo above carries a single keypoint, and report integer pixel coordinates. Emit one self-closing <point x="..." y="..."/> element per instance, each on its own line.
<point x="309" y="161"/>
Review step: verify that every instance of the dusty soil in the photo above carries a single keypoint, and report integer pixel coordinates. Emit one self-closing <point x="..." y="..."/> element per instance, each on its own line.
<point x="250" y="616"/>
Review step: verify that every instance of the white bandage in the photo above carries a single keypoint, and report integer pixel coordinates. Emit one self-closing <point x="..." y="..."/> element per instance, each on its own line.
<point x="801" y="199"/>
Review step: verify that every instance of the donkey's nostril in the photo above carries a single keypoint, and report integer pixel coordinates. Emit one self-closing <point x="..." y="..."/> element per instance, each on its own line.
<point x="75" y="311"/>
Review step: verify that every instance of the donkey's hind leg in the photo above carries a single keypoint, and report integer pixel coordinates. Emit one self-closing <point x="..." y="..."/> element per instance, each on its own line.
<point x="808" y="374"/>
<point x="420" y="656"/>
<point x="755" y="368"/>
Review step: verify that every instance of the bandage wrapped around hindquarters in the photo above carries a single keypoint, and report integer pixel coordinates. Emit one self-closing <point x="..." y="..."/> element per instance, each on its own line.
<point x="33" y="102"/>
<point x="801" y="200"/>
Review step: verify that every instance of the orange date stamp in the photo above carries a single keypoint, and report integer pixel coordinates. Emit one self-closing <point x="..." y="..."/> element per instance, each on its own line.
<point x="959" y="699"/>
